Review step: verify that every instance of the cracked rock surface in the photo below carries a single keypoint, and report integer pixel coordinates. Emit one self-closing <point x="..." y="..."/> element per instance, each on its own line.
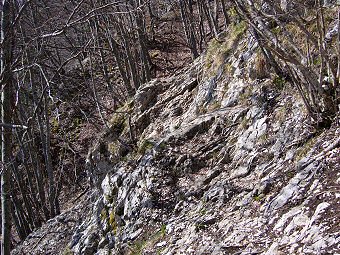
<point x="227" y="164"/>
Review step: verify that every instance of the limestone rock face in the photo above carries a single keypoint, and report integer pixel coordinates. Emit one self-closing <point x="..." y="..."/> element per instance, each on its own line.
<point x="226" y="164"/>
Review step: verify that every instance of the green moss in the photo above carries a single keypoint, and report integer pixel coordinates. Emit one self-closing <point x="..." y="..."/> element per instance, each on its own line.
<point x="110" y="199"/>
<point x="112" y="222"/>
<point x="103" y="214"/>
<point x="238" y="28"/>
<point x="200" y="226"/>
<point x="67" y="251"/>
<point x="218" y="51"/>
<point x="214" y="106"/>
<point x="303" y="151"/>
<point x="54" y="125"/>
<point x="279" y="82"/>
<point x="76" y="122"/>
<point x="233" y="15"/>
<point x="118" y="123"/>
<point x="145" y="146"/>
<point x="149" y="241"/>
<point x="258" y="197"/>
<point x="263" y="138"/>
<point x="229" y="69"/>
<point x="130" y="104"/>
<point x="113" y="148"/>
<point x="137" y="247"/>
<point x="203" y="211"/>
<point x="162" y="230"/>
<point x="276" y="30"/>
<point x="290" y="174"/>
<point x="163" y="145"/>
<point x="245" y="123"/>
<point x="119" y="120"/>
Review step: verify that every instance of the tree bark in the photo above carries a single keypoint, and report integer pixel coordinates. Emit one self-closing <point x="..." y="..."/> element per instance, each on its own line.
<point x="6" y="117"/>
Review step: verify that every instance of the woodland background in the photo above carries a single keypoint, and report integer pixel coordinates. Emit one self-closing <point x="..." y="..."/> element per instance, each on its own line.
<point x="67" y="66"/>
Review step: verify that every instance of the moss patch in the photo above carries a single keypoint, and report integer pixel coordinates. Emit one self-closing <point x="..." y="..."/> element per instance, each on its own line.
<point x="145" y="146"/>
<point x="103" y="214"/>
<point x="118" y="123"/>
<point x="218" y="51"/>
<point x="67" y="251"/>
<point x="112" y="222"/>
<point x="148" y="242"/>
<point x="214" y="106"/>
<point x="279" y="83"/>
<point x="303" y="151"/>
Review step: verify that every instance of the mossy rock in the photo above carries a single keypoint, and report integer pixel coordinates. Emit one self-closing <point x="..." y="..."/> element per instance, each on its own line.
<point x="246" y="94"/>
<point x="279" y="83"/>
<point x="113" y="222"/>
<point x="67" y="251"/>
<point x="118" y="123"/>
<point x="119" y="120"/>
<point x="305" y="149"/>
<point x="214" y="105"/>
<point x="104" y="214"/>
<point x="219" y="50"/>
<point x="147" y="241"/>
<point x="145" y="146"/>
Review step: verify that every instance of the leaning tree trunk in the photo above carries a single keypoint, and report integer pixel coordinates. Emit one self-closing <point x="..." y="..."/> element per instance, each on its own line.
<point x="6" y="115"/>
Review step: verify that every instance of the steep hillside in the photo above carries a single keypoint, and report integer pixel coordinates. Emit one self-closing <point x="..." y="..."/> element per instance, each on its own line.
<point x="226" y="162"/>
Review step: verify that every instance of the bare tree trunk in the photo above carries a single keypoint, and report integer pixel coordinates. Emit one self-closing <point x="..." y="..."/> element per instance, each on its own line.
<point x="130" y="59"/>
<point x="49" y="168"/>
<point x="6" y="117"/>
<point x="142" y="37"/>
<point x="189" y="33"/>
<point x="210" y="18"/>
<point x="114" y="48"/>
<point x="225" y="13"/>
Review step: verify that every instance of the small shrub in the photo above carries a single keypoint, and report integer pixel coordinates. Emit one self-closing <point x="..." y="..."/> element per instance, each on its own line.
<point x="54" y="125"/>
<point x="137" y="247"/>
<point x="279" y="82"/>
<point x="118" y="123"/>
<point x="150" y="239"/>
<point x="259" y="197"/>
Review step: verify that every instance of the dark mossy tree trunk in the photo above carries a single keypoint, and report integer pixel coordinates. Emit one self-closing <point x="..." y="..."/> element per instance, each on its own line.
<point x="6" y="117"/>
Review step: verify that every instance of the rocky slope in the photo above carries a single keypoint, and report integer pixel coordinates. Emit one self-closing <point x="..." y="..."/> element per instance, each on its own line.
<point x="226" y="163"/>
